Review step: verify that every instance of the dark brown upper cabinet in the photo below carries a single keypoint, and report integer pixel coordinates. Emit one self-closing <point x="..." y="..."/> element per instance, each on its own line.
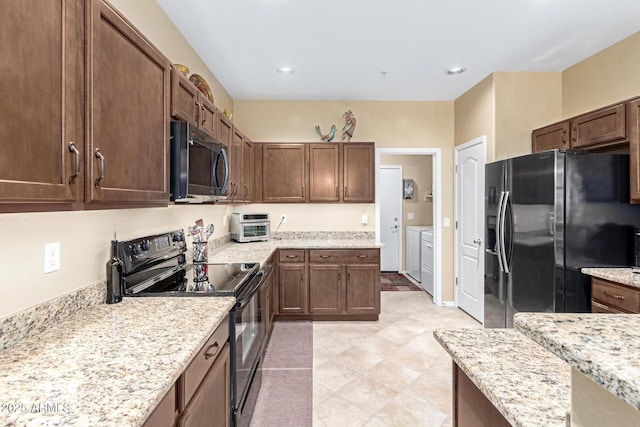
<point x="324" y="176"/>
<point x="358" y="173"/>
<point x="191" y="105"/>
<point x="551" y="137"/>
<point x="599" y="128"/>
<point x="42" y="105"/>
<point x="634" y="150"/>
<point x="284" y="172"/>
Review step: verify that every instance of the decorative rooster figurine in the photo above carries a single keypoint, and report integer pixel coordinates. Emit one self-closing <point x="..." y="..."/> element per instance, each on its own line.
<point x="328" y="137"/>
<point x="349" y="126"/>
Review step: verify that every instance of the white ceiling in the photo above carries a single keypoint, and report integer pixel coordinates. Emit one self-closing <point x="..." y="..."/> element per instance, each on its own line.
<point x="339" y="47"/>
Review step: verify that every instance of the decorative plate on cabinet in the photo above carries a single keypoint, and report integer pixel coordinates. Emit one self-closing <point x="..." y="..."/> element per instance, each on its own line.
<point x="202" y="85"/>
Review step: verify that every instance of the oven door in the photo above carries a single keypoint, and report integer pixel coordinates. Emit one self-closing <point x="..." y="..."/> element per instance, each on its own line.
<point x="247" y="338"/>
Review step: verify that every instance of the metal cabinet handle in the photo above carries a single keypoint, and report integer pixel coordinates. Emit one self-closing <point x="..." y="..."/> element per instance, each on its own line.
<point x="574" y="134"/>
<point x="215" y="346"/>
<point x="564" y="137"/>
<point x="336" y="191"/>
<point x="76" y="157"/>
<point x="345" y="191"/>
<point x="204" y="115"/>
<point x="101" y="157"/>
<point x="245" y="192"/>
<point x="620" y="297"/>
<point x="292" y="256"/>
<point x="325" y="256"/>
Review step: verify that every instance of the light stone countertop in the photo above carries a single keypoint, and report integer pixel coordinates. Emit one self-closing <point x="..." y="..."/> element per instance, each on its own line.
<point x="260" y="251"/>
<point x="526" y="383"/>
<point x="604" y="347"/>
<point x="619" y="275"/>
<point x="106" y="366"/>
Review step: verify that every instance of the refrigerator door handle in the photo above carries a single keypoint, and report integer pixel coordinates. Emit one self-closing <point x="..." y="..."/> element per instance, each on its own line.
<point x="502" y="245"/>
<point x="499" y="231"/>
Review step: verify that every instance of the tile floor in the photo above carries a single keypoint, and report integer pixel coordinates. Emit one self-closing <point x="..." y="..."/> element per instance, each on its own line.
<point x="386" y="373"/>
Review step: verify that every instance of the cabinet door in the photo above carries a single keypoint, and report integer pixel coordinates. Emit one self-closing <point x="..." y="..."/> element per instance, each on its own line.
<point x="284" y="173"/>
<point x="128" y="121"/>
<point x="292" y="288"/>
<point x="324" y="172"/>
<point x="634" y="150"/>
<point x="184" y="98"/>
<point x="211" y="405"/>
<point x="326" y="288"/>
<point x="165" y="413"/>
<point x="42" y="103"/>
<point x="363" y="289"/>
<point x="604" y="127"/>
<point x="247" y="169"/>
<point x="235" y="168"/>
<point x="550" y="137"/>
<point x="207" y="121"/>
<point x="358" y="172"/>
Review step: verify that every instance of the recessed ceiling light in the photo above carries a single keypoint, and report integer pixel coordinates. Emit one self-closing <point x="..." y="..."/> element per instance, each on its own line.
<point x="456" y="70"/>
<point x="285" y="70"/>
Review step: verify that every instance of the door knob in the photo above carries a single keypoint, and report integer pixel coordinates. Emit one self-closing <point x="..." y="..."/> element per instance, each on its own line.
<point x="394" y="227"/>
<point x="477" y="241"/>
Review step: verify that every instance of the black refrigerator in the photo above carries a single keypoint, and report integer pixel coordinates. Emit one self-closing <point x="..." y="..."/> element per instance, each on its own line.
<point x="548" y="215"/>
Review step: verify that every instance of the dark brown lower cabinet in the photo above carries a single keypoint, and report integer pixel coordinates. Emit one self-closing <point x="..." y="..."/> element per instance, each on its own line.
<point x="331" y="284"/>
<point x="471" y="407"/>
<point x="211" y="405"/>
<point x="202" y="394"/>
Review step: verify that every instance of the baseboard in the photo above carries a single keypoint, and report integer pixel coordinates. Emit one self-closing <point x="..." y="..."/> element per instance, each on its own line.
<point x="448" y="304"/>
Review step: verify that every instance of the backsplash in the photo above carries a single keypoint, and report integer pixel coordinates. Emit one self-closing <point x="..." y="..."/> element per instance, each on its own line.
<point x="33" y="320"/>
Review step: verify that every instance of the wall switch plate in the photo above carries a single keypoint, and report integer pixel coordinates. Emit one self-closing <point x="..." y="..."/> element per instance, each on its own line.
<point x="283" y="218"/>
<point x="51" y="257"/>
<point x="410" y="215"/>
<point x="224" y="220"/>
<point x="447" y="223"/>
<point x="365" y="218"/>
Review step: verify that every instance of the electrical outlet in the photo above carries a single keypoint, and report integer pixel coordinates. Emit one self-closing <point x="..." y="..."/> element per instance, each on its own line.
<point x="51" y="257"/>
<point x="365" y="218"/>
<point x="410" y="216"/>
<point x="283" y="218"/>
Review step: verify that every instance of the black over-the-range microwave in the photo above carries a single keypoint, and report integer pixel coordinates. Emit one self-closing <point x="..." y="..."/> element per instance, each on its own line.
<point x="199" y="166"/>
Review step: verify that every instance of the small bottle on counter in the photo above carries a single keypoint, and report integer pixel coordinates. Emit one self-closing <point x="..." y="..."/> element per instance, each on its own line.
<point x="114" y="275"/>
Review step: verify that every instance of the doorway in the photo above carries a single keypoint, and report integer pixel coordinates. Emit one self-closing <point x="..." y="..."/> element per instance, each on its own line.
<point x="391" y="217"/>
<point x="469" y="230"/>
<point x="435" y="195"/>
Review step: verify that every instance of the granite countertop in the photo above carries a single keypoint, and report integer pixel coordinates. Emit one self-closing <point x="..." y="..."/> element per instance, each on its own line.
<point x="526" y="383"/>
<point x="260" y="251"/>
<point x="604" y="347"/>
<point x="107" y="365"/>
<point x="625" y="276"/>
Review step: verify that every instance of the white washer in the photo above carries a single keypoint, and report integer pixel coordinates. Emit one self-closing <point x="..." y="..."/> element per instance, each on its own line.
<point x="427" y="261"/>
<point x="413" y="249"/>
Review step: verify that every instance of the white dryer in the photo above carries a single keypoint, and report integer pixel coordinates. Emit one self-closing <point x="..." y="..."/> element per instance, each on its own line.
<point x="413" y="250"/>
<point x="427" y="256"/>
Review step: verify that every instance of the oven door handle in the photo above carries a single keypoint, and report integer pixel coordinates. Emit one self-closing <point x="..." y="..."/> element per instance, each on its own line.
<point x="254" y="286"/>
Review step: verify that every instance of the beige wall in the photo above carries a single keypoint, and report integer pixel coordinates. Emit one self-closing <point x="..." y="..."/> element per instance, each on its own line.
<point x="523" y="101"/>
<point x="475" y="115"/>
<point x="388" y="124"/>
<point x="150" y="19"/>
<point x="607" y="77"/>
<point x="419" y="168"/>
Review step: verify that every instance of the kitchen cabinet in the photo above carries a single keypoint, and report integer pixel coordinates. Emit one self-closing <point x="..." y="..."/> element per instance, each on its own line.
<point x="358" y="173"/>
<point x="241" y="169"/>
<point x="634" y="150"/>
<point x="190" y="105"/>
<point x="342" y="284"/>
<point x="315" y="173"/>
<point x="166" y="413"/>
<point x="202" y="393"/>
<point x="292" y="281"/>
<point x="284" y="173"/>
<point x="470" y="406"/>
<point x="42" y="104"/>
<point x="599" y="128"/>
<point x="127" y="156"/>
<point x="324" y="167"/>
<point x="611" y="297"/>
<point x="550" y="137"/>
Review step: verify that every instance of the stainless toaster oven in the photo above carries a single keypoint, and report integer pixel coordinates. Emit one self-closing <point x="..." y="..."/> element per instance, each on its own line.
<point x="248" y="227"/>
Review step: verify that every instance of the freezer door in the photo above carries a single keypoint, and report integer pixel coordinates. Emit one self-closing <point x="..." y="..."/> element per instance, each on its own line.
<point x="494" y="277"/>
<point x="529" y="224"/>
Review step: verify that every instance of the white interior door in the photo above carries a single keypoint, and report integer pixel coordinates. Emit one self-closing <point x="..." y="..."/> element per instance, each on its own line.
<point x="390" y="217"/>
<point x="470" y="160"/>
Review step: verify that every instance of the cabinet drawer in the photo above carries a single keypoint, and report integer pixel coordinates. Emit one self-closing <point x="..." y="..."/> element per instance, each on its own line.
<point x="596" y="307"/>
<point x="291" y="255"/>
<point x="344" y="256"/>
<point x="201" y="363"/>
<point x="616" y="296"/>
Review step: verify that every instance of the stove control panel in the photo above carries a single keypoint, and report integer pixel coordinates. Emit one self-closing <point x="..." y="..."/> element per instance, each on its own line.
<point x="144" y="251"/>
